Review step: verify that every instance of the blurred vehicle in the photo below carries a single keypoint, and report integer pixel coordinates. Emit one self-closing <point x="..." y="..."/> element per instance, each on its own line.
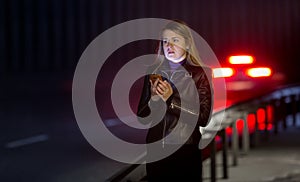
<point x="245" y="78"/>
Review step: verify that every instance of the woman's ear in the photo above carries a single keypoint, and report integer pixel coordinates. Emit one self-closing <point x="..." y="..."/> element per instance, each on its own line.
<point x="187" y="47"/>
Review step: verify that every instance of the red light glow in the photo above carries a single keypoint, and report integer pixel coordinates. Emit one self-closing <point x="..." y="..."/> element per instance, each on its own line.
<point x="262" y="115"/>
<point x="240" y="126"/>
<point x="241" y="59"/>
<point x="259" y="72"/>
<point x="250" y="122"/>
<point x="270" y="113"/>
<point x="261" y="118"/>
<point x="222" y="72"/>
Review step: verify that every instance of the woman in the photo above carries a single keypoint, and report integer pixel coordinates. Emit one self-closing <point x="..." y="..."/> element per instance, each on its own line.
<point x="184" y="96"/>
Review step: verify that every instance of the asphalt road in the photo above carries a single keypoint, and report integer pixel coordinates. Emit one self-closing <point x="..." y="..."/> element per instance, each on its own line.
<point x="40" y="139"/>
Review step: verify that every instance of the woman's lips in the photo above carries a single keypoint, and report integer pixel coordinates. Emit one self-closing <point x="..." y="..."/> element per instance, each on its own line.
<point x="171" y="52"/>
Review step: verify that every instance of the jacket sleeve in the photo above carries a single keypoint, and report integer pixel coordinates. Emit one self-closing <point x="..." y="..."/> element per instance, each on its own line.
<point x="143" y="108"/>
<point x="205" y="92"/>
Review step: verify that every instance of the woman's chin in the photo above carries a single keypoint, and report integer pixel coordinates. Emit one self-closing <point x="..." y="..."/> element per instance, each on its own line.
<point x="172" y="58"/>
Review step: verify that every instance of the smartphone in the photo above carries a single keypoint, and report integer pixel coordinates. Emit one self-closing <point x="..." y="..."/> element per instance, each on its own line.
<point x="154" y="77"/>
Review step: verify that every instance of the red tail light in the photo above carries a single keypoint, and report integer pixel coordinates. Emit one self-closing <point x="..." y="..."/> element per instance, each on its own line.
<point x="241" y="59"/>
<point x="259" y="72"/>
<point x="222" y="72"/>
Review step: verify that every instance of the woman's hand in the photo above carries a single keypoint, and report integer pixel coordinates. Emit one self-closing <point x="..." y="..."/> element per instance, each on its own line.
<point x="161" y="89"/>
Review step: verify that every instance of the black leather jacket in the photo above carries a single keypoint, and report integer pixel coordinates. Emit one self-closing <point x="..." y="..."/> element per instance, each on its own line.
<point x="189" y="107"/>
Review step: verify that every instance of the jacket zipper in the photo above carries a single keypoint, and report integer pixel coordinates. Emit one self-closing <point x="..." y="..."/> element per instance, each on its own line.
<point x="173" y="73"/>
<point x="184" y="109"/>
<point x="164" y="133"/>
<point x="174" y="105"/>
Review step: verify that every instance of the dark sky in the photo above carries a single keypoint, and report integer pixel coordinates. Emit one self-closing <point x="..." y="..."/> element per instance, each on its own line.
<point x="50" y="35"/>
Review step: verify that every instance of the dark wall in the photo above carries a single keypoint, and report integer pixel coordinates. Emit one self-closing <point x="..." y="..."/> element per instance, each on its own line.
<point x="50" y="35"/>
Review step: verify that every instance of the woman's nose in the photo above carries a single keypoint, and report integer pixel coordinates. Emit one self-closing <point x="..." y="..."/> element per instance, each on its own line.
<point x="169" y="44"/>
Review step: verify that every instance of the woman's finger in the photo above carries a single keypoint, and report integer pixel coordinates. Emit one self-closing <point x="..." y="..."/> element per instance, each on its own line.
<point x="162" y="87"/>
<point x="153" y="87"/>
<point x="160" y="90"/>
<point x="164" y="83"/>
<point x="155" y="83"/>
<point x="169" y="86"/>
<point x="151" y="83"/>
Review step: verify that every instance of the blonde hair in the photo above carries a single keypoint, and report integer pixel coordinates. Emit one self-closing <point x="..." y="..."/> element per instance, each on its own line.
<point x="182" y="29"/>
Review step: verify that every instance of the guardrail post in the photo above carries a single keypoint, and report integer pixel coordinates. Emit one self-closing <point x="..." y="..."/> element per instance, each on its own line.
<point x="297" y="102"/>
<point x="245" y="134"/>
<point x="274" y="103"/>
<point x="213" y="161"/>
<point x="283" y="111"/>
<point x="224" y="153"/>
<point x="266" y="121"/>
<point x="235" y="143"/>
<point x="294" y="109"/>
<point x="256" y="130"/>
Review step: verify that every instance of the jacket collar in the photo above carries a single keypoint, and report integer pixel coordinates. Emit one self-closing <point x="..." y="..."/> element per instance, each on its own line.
<point x="165" y="65"/>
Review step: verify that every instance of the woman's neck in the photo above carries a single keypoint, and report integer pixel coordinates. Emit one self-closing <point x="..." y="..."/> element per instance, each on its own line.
<point x="174" y="66"/>
<point x="178" y="60"/>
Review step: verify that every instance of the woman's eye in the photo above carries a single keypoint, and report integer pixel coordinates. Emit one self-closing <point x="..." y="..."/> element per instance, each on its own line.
<point x="176" y="40"/>
<point x="165" y="41"/>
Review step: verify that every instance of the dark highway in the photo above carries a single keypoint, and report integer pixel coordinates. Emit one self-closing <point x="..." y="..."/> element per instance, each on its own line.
<point x="40" y="139"/>
<point x="41" y="46"/>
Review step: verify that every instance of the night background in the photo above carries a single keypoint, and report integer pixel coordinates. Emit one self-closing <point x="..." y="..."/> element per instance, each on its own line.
<point x="41" y="42"/>
<point x="49" y="36"/>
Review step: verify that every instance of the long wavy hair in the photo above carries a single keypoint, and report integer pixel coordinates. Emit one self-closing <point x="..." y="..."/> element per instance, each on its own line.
<point x="179" y="27"/>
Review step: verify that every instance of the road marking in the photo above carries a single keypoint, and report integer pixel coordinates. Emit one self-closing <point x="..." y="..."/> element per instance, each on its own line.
<point x="27" y="141"/>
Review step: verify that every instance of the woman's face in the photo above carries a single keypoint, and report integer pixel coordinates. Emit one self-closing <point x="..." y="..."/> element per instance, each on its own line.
<point x="174" y="46"/>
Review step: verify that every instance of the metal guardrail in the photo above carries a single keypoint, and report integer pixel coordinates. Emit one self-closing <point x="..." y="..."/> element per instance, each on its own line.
<point x="278" y="99"/>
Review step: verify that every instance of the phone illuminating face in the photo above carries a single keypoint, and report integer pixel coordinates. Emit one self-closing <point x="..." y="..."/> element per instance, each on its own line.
<point x="154" y="77"/>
